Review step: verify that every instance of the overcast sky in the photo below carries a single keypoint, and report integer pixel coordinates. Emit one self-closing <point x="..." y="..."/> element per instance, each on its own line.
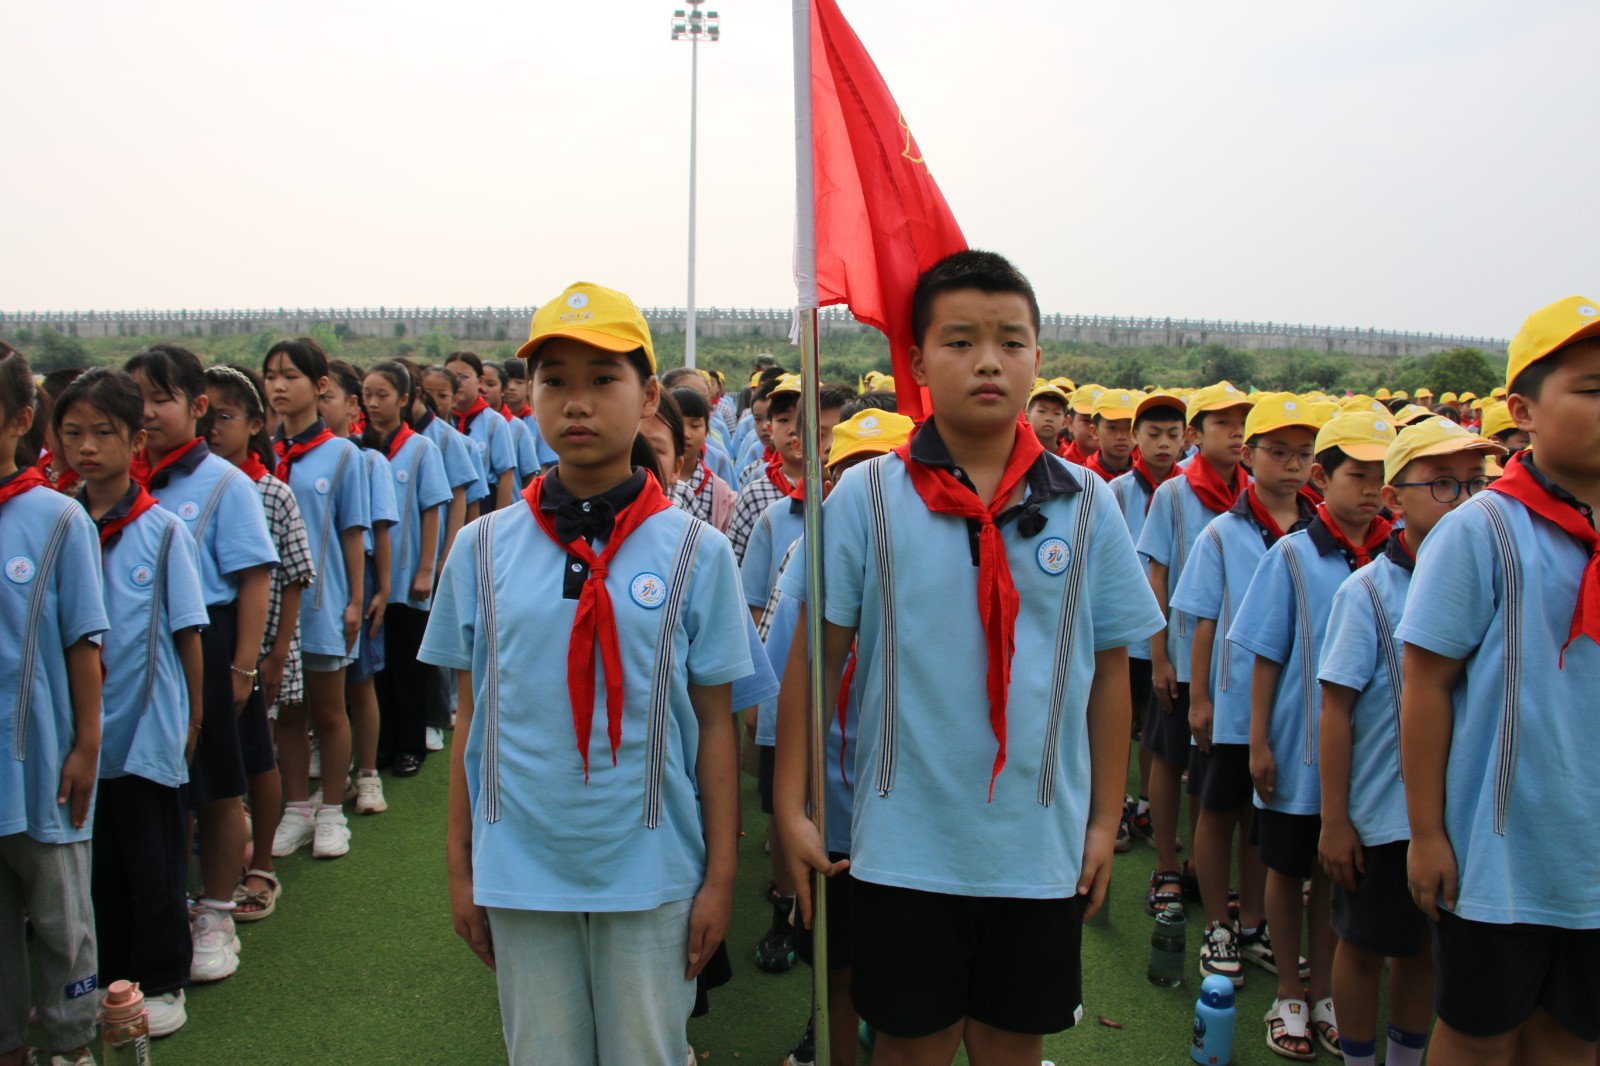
<point x="1416" y="165"/>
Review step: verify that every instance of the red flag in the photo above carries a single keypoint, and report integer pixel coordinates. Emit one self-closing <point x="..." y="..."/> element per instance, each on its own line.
<point x="880" y="218"/>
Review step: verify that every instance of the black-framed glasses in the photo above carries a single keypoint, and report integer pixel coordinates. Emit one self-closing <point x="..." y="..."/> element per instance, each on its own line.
<point x="1448" y="489"/>
<point x="1281" y="456"/>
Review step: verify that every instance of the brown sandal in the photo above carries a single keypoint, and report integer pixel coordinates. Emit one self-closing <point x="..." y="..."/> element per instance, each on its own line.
<point x="252" y="905"/>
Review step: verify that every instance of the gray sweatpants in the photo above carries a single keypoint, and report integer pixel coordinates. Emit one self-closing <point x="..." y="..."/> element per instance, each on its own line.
<point x="50" y="883"/>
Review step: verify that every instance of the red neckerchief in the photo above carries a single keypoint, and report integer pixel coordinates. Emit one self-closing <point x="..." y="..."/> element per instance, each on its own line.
<point x="998" y="600"/>
<point x="61" y="482"/>
<point x="1263" y="517"/>
<point x="1142" y="468"/>
<point x="22" y="482"/>
<point x="358" y="425"/>
<point x="464" y="419"/>
<point x="1377" y="534"/>
<point x="1310" y="493"/>
<point x="844" y="706"/>
<point x="1072" y="453"/>
<point x="252" y="467"/>
<point x="142" y="502"/>
<point x="288" y="453"/>
<point x="505" y="412"/>
<point x="705" y="478"/>
<point x="1208" y="486"/>
<point x="1099" y="467"/>
<point x="525" y="412"/>
<point x="141" y="470"/>
<point x="1405" y="545"/>
<point x="1519" y="483"/>
<point x="776" y="475"/>
<point x="401" y="435"/>
<point x="595" y="620"/>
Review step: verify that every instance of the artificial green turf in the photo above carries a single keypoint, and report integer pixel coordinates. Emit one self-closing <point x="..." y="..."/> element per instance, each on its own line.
<point x="360" y="964"/>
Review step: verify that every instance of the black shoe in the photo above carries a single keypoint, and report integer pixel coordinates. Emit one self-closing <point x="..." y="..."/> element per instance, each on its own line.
<point x="775" y="952"/>
<point x="805" y="1052"/>
<point x="406" y="765"/>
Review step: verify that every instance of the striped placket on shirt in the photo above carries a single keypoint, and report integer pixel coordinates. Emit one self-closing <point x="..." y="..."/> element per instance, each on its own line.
<point x="888" y="642"/>
<point x="661" y="681"/>
<point x="1066" y="632"/>
<point x="158" y="598"/>
<point x="1390" y="651"/>
<point x="1308" y="673"/>
<point x="1505" y="763"/>
<point x="489" y="763"/>
<point x="43" y="581"/>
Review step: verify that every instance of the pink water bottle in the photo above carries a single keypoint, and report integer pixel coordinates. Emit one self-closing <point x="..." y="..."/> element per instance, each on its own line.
<point x="124" y="1026"/>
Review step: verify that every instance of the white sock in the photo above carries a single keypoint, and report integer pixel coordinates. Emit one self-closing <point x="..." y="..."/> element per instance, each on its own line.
<point x="218" y="905"/>
<point x="1405" y="1049"/>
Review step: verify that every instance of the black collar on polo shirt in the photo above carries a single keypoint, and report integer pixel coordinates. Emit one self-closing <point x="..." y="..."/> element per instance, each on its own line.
<point x="300" y="438"/>
<point x="590" y="518"/>
<point x="1395" y="549"/>
<point x="184" y="464"/>
<point x="1307" y="509"/>
<point x="1556" y="490"/>
<point x="424" y="422"/>
<point x="1047" y="476"/>
<point x="119" y="510"/>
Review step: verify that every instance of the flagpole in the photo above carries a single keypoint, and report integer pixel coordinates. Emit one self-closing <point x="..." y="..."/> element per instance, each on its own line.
<point x="811" y="379"/>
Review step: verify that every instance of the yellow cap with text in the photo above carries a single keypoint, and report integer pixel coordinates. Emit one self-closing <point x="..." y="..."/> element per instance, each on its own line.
<point x="869" y="432"/>
<point x="594" y="315"/>
<point x="1118" y="403"/>
<point x="1550" y="329"/>
<point x="1049" y="390"/>
<point x="1218" y="397"/>
<point x="1365" y="437"/>
<point x="1435" y="436"/>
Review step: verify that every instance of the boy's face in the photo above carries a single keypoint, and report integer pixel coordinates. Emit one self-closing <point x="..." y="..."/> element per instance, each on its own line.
<point x="1352" y="491"/>
<point x="1411" y="495"/>
<point x="758" y="412"/>
<point x="978" y="359"/>
<point x="589" y="402"/>
<point x="1564" y="422"/>
<point x="1047" y="416"/>
<point x="1222" y="436"/>
<point x="1282" y="459"/>
<point x="1084" y="433"/>
<point x="694" y="439"/>
<point x="516" y="392"/>
<point x="828" y="417"/>
<point x="1116" y="440"/>
<point x="97" y="446"/>
<point x="1516" y="440"/>
<point x="784" y="436"/>
<point x="1160" y="443"/>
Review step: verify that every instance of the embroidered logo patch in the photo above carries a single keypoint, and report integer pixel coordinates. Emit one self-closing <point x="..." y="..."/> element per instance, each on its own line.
<point x="1053" y="555"/>
<point x="19" y="569"/>
<point x="577" y="300"/>
<point x="1588" y="310"/>
<point x="648" y="590"/>
<point x="322" y="485"/>
<point x="402" y="476"/>
<point x="483" y="445"/>
<point x="79" y="989"/>
<point x="142" y="575"/>
<point x="188" y="510"/>
<point x="868" y="427"/>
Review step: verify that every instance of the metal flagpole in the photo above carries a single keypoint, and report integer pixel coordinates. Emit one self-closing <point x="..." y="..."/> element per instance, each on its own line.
<point x="810" y="378"/>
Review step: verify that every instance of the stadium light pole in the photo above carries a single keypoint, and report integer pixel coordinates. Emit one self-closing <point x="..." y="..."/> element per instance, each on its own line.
<point x="693" y="26"/>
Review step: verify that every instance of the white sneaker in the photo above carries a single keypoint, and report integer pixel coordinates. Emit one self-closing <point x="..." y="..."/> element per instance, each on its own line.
<point x="332" y="837"/>
<point x="82" y="1058"/>
<point x="435" y="738"/>
<point x="295" y="830"/>
<point x="216" y="946"/>
<point x="166" y="1013"/>
<point x="316" y="757"/>
<point x="369" y="795"/>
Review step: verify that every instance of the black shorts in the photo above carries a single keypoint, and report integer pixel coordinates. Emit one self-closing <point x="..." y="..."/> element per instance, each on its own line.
<point x="1168" y="734"/>
<point x="923" y="961"/>
<point x="255" y="736"/>
<point x="217" y="772"/>
<point x="767" y="764"/>
<point x="1531" y="966"/>
<point x="1380" y="915"/>
<point x="1288" y="842"/>
<point x="839" y="890"/>
<point x="1225" y="784"/>
<point x="1139" y="689"/>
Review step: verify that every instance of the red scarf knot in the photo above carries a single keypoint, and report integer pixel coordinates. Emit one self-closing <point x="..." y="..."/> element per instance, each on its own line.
<point x="1214" y="494"/>
<point x="290" y="451"/>
<point x="1366" y="551"/>
<point x="252" y="467"/>
<point x="464" y="419"/>
<point x="142" y="502"/>
<point x="145" y="474"/>
<point x="401" y="435"/>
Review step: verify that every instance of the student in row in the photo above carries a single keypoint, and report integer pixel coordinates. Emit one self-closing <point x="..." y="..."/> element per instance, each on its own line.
<point x="525" y="451"/>
<point x="783" y="467"/>
<point x="432" y="410"/>
<point x="1046" y="413"/>
<point x="491" y="436"/>
<point x="701" y="492"/>
<point x="1113" y="429"/>
<point x="517" y="389"/>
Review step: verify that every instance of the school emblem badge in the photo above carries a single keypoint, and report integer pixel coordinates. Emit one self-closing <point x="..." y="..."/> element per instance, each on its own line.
<point x="19" y="569"/>
<point x="1053" y="555"/>
<point x="648" y="590"/>
<point x="142" y="575"/>
<point x="322" y="485"/>
<point x="188" y="510"/>
<point x="402" y="476"/>
<point x="577" y="301"/>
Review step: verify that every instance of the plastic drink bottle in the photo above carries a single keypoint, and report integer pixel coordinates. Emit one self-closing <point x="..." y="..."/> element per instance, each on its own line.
<point x="1213" y="1023"/>
<point x="124" y="1026"/>
<point x="1167" y="949"/>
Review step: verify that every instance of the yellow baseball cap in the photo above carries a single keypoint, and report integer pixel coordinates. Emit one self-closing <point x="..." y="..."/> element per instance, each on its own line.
<point x="785" y="383"/>
<point x="1424" y="394"/>
<point x="1083" y="398"/>
<point x="1449" y="397"/>
<point x="1498" y="392"/>
<point x="1323" y="410"/>
<point x="1041" y="387"/>
<point x="594" y="315"/>
<point x="1382" y="394"/>
<point x="1399" y="394"/>
<point x="1162" y="399"/>
<point x="1118" y="403"/>
<point x="1065" y="384"/>
<point x="1435" y="436"/>
<point x="1279" y="410"/>
<point x="869" y="432"/>
<point x="1496" y="419"/>
<point x="1550" y="329"/>
<point x="1468" y="397"/>
<point x="1218" y="397"/>
<point x="885" y="383"/>
<point x="1410" y="413"/>
<point x="1363" y="405"/>
<point x="1364" y="437"/>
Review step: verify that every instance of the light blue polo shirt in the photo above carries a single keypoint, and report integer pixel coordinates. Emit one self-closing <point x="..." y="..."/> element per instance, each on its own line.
<point x="1133" y="495"/>
<point x="780" y="525"/>
<point x="420" y="484"/>
<point x="906" y="579"/>
<point x="460" y="459"/>
<point x="50" y="598"/>
<point x="382" y="507"/>
<point x="632" y="837"/>
<point x="223" y="513"/>
<point x="542" y="450"/>
<point x="330" y="485"/>
<point x="1284" y="617"/>
<point x="525" y="450"/>
<point x="1362" y="653"/>
<point x="152" y="590"/>
<point x="1174" y="521"/>
<point x="1496" y="586"/>
<point x="492" y="438"/>
<point x="715" y="454"/>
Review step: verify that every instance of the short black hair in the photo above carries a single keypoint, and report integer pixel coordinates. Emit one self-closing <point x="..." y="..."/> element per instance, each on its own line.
<point x="988" y="272"/>
<point x="112" y="392"/>
<point x="872" y="401"/>
<point x="1160" y="412"/>
<point x="514" y="370"/>
<point x="691" y="404"/>
<point x="1331" y="459"/>
<point x="782" y="402"/>
<point x="1530" y="382"/>
<point x="669" y="415"/>
<point x="470" y="358"/>
<point x="1505" y="434"/>
<point x="831" y="396"/>
<point x="174" y="369"/>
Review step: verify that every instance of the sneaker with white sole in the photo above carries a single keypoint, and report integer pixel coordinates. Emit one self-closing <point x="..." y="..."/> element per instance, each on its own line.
<point x="1219" y="954"/>
<point x="295" y="830"/>
<point x="369" y="795"/>
<point x="332" y="836"/>
<point x="434" y="738"/>
<point x="166" y="1013"/>
<point x="73" y="1058"/>
<point x="216" y="945"/>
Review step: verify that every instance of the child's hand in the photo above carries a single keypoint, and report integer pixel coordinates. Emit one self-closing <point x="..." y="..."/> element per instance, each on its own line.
<point x="77" y="783"/>
<point x="1095" y="875"/>
<point x="271" y="677"/>
<point x="422" y="585"/>
<point x="1263" y="771"/>
<point x="803" y="853"/>
<point x="352" y="627"/>
<point x="471" y="921"/>
<point x="1201" y="713"/>
<point x="1164" y="682"/>
<point x="243" y="685"/>
<point x="708" y="924"/>
<point x="375" y="613"/>
<point x="1431" y="874"/>
<point x="1341" y="853"/>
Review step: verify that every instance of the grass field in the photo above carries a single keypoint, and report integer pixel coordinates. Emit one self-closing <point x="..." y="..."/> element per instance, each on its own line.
<point x="360" y="964"/>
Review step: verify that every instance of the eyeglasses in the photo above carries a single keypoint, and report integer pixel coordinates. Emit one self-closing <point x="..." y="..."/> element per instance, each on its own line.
<point x="1448" y="489"/>
<point x="226" y="419"/>
<point x="1281" y="456"/>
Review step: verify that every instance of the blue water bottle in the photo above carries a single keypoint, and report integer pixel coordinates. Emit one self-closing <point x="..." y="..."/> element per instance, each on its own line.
<point x="1213" y="1022"/>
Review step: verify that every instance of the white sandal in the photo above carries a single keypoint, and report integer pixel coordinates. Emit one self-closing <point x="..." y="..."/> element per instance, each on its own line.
<point x="1326" y="1026"/>
<point x="1290" y="1019"/>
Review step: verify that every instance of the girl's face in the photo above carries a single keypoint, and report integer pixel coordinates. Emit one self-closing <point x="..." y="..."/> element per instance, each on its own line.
<point x="470" y="383"/>
<point x="516" y="393"/>
<point x="289" y="391"/>
<point x="660" y="437"/>
<point x="97" y="446"/>
<point x="383" y="402"/>
<point x="337" y="408"/>
<point x="694" y="439"/>
<point x="589" y="403"/>
<point x="492" y="387"/>
<point x="168" y="419"/>
<point x="442" y="389"/>
<point x="231" y="429"/>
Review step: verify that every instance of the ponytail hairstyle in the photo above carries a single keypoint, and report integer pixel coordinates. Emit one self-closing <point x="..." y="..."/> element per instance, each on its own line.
<point x="244" y="387"/>
<point x="172" y="369"/>
<point x="348" y="379"/>
<point x="417" y="394"/>
<point x="304" y="352"/>
<point x="470" y="358"/>
<point x="17" y="395"/>
<point x="645" y="456"/>
<point x="399" y="378"/>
